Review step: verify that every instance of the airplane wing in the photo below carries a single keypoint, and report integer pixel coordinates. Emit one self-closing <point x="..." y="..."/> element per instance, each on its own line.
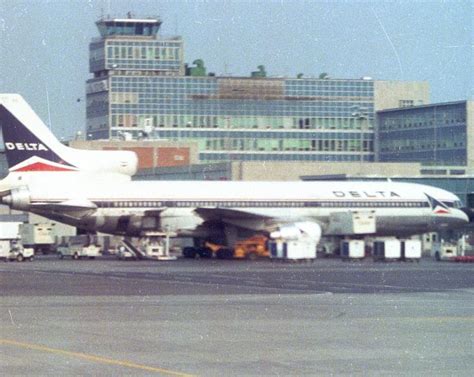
<point x="216" y="213"/>
<point x="239" y="218"/>
<point x="276" y="227"/>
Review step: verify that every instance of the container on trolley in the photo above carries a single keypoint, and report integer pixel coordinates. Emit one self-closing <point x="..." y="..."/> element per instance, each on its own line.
<point x="352" y="249"/>
<point x="293" y="249"/>
<point x="385" y="250"/>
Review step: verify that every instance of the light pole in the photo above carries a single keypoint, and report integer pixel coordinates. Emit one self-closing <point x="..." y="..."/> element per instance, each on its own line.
<point x="361" y="115"/>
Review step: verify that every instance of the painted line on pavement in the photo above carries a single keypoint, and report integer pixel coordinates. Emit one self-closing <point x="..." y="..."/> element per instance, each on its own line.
<point x="98" y="359"/>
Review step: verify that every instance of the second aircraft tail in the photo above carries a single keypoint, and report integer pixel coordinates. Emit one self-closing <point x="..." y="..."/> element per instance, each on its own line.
<point x="31" y="147"/>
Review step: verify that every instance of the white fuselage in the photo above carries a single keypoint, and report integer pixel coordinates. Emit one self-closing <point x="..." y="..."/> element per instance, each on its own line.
<point x="400" y="208"/>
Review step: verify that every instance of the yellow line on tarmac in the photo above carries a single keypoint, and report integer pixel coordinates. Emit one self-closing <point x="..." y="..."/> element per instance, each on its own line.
<point x="97" y="359"/>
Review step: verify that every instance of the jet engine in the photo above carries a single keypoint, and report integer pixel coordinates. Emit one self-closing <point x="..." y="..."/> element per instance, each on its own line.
<point x="17" y="198"/>
<point x="296" y="231"/>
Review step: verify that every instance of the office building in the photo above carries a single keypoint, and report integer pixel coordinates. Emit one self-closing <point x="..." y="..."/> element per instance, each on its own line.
<point x="142" y="89"/>
<point x="439" y="136"/>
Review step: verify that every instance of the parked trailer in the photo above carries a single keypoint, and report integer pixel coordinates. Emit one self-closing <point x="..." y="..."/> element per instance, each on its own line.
<point x="40" y="237"/>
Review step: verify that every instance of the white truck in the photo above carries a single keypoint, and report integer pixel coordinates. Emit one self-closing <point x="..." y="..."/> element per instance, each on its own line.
<point x="41" y="237"/>
<point x="11" y="247"/>
<point x="444" y="251"/>
<point x="78" y="247"/>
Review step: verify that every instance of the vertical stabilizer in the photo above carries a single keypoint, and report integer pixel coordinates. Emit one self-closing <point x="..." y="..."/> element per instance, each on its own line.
<point x="29" y="145"/>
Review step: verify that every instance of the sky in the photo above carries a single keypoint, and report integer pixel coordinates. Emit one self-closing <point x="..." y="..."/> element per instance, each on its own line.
<point x="44" y="44"/>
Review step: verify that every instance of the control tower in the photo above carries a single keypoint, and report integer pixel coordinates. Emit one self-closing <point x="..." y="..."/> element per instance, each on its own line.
<point x="133" y="44"/>
<point x="127" y="52"/>
<point x="147" y="27"/>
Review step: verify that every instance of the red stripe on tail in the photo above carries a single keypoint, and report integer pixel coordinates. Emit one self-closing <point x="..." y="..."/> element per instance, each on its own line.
<point x="40" y="166"/>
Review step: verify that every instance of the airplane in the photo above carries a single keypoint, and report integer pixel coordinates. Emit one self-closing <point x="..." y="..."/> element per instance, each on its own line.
<point x="93" y="191"/>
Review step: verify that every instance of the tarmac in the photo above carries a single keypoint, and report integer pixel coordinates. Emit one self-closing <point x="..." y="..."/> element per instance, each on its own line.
<point x="106" y="317"/>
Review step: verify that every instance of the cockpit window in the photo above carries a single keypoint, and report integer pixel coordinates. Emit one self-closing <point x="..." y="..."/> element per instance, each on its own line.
<point x="454" y="204"/>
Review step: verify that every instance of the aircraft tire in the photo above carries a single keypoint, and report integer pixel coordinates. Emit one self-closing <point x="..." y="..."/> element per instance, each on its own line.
<point x="189" y="252"/>
<point x="224" y="253"/>
<point x="251" y="256"/>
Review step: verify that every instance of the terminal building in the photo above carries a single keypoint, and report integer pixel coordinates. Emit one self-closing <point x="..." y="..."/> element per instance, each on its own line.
<point x="141" y="88"/>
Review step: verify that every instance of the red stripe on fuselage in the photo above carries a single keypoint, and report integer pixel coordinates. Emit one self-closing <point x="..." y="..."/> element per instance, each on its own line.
<point x="40" y="166"/>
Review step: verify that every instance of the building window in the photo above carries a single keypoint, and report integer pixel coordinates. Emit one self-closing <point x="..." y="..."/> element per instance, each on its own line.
<point x="406" y="103"/>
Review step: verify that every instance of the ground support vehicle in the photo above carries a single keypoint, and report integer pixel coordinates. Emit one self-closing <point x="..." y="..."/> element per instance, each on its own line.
<point x="14" y="250"/>
<point x="11" y="247"/>
<point x="249" y="248"/>
<point x="252" y="248"/>
<point x="78" y="247"/>
<point x="444" y="251"/>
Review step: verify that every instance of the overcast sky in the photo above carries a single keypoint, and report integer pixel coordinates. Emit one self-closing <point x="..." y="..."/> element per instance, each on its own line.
<point x="44" y="44"/>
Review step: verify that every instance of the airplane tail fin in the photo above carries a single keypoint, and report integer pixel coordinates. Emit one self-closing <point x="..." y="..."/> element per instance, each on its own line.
<point x="31" y="147"/>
